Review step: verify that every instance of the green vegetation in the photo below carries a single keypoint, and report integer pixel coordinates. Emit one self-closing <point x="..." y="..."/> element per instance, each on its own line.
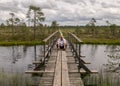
<point x="23" y="34"/>
<point x="103" y="35"/>
<point x="14" y="80"/>
<point x="102" y="79"/>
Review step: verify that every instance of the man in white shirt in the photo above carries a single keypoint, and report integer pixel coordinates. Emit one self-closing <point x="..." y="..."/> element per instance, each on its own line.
<point x="61" y="43"/>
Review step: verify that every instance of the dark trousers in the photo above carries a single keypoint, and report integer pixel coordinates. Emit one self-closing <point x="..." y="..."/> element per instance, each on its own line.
<point x="61" y="47"/>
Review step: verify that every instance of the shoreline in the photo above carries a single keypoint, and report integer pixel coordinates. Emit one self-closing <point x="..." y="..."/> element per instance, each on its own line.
<point x="32" y="43"/>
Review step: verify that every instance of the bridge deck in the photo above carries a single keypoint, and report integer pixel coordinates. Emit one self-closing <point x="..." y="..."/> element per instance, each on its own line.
<point x="58" y="70"/>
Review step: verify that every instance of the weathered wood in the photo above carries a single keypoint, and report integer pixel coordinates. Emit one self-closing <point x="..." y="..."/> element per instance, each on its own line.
<point x="39" y="62"/>
<point x="57" y="77"/>
<point x="46" y="39"/>
<point x="80" y="41"/>
<point x="83" y="71"/>
<point x="36" y="62"/>
<point x="65" y="76"/>
<point x="35" y="72"/>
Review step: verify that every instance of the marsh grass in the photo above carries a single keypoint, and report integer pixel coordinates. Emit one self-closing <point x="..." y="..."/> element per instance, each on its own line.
<point x="14" y="79"/>
<point x="102" y="79"/>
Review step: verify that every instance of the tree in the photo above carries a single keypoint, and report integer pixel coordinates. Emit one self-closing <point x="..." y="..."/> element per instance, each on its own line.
<point x="113" y="29"/>
<point x="54" y="24"/>
<point x="87" y="28"/>
<point x="92" y="24"/>
<point x="17" y="21"/>
<point x="36" y="16"/>
<point x="2" y="25"/>
<point x="108" y="23"/>
<point x="13" y="21"/>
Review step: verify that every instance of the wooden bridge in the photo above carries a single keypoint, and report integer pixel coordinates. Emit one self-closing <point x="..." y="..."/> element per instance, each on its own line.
<point x="61" y="67"/>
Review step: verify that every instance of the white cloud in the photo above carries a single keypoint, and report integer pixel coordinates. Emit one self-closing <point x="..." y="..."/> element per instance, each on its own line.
<point x="66" y="12"/>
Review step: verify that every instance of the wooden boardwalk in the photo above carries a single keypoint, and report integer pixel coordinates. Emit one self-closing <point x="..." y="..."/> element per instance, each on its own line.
<point x="58" y="70"/>
<point x="61" y="67"/>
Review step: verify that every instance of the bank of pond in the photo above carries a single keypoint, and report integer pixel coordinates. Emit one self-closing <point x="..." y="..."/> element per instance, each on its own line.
<point x="31" y="43"/>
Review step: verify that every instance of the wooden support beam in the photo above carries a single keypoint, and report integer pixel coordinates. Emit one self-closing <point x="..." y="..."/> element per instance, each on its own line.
<point x="37" y="62"/>
<point x="87" y="63"/>
<point x="92" y="71"/>
<point x="83" y="71"/>
<point x="37" y="72"/>
<point x="73" y="62"/>
<point x="82" y="56"/>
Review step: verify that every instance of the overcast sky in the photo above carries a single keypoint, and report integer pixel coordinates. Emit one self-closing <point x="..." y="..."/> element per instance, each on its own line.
<point x="66" y="12"/>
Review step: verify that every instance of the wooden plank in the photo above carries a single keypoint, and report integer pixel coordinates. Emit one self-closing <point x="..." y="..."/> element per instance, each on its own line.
<point x="37" y="72"/>
<point x="57" y="77"/>
<point x="65" y="76"/>
<point x="39" y="62"/>
<point x="73" y="62"/>
<point x="83" y="71"/>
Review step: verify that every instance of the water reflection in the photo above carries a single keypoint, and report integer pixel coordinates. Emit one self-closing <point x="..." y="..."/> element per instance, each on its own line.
<point x="23" y="56"/>
<point x="113" y="60"/>
<point x="17" y="58"/>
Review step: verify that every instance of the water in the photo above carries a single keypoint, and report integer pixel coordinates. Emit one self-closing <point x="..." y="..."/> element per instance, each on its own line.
<point x="98" y="55"/>
<point x="17" y="59"/>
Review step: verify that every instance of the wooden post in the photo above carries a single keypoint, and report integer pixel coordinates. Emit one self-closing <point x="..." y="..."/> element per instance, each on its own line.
<point x="79" y="50"/>
<point x="44" y="51"/>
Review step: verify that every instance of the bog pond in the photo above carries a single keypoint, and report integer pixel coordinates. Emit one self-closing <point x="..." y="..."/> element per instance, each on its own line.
<point x="15" y="60"/>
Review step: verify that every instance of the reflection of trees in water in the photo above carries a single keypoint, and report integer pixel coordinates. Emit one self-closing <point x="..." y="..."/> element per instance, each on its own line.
<point x="25" y="50"/>
<point x="35" y="53"/>
<point x="112" y="49"/>
<point x="93" y="49"/>
<point x="113" y="60"/>
<point x="17" y="53"/>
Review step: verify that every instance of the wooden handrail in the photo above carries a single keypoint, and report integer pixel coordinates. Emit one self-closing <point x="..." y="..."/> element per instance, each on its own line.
<point x="46" y="39"/>
<point x="73" y="35"/>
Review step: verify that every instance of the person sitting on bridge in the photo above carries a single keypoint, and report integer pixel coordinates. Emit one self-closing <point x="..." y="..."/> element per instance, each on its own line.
<point x="61" y="43"/>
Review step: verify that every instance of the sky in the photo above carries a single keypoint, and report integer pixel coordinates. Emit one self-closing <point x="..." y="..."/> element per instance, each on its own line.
<point x="65" y="12"/>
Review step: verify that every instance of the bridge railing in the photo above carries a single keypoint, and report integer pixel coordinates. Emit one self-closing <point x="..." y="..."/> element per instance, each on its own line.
<point x="75" y="45"/>
<point x="48" y="44"/>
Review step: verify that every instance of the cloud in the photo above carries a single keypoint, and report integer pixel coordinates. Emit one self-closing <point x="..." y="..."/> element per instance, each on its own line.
<point x="66" y="12"/>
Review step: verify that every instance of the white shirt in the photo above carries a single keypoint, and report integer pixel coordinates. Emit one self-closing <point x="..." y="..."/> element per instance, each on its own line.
<point x="61" y="41"/>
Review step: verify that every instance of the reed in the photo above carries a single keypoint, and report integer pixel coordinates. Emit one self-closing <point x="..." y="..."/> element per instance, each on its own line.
<point x="14" y="80"/>
<point x="102" y="79"/>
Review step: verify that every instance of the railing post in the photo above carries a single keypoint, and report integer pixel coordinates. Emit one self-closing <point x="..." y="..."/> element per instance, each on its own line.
<point x="79" y="50"/>
<point x="76" y="45"/>
<point x="44" y="51"/>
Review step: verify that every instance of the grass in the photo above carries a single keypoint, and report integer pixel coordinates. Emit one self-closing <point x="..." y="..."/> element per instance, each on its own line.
<point x="101" y="41"/>
<point x="14" y="80"/>
<point x="102" y="79"/>
<point x="24" y="35"/>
